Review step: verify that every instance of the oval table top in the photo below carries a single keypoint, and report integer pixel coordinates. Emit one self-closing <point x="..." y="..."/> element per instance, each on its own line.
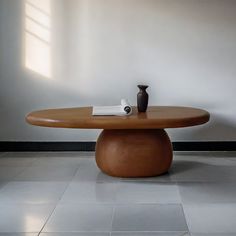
<point x="156" y="117"/>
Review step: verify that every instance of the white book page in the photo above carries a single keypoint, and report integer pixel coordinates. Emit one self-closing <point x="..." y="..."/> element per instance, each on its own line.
<point x="121" y="110"/>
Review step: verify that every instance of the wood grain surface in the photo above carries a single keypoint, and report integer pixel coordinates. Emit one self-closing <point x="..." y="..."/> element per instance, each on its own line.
<point x="134" y="153"/>
<point x="156" y="117"/>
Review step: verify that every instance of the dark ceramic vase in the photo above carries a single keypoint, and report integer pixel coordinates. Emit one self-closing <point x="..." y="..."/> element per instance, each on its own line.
<point x="142" y="98"/>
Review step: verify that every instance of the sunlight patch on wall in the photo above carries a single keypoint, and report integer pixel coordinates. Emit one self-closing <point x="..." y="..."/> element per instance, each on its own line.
<point x="38" y="36"/>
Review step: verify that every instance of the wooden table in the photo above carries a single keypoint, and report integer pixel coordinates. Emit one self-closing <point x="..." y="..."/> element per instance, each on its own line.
<point x="130" y="146"/>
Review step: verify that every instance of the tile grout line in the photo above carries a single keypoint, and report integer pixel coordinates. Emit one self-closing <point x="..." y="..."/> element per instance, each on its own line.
<point x="185" y="233"/>
<point x="57" y="203"/>
<point x="18" y="174"/>
<point x="49" y="217"/>
<point x="182" y="206"/>
<point x="112" y="217"/>
<point x="77" y="170"/>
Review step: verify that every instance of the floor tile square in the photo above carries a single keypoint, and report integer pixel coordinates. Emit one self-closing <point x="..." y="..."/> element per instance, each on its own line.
<point x="232" y="160"/>
<point x="2" y="184"/>
<point x="47" y="173"/>
<point x="195" y="171"/>
<point x="16" y="161"/>
<point x="207" y="193"/>
<point x="66" y="154"/>
<point x="8" y="173"/>
<point x="226" y="154"/>
<point x="76" y="234"/>
<point x="161" y="178"/>
<point x="57" y="161"/>
<point x="147" y="192"/>
<point x="89" y="172"/>
<point x="86" y="217"/>
<point x="211" y="218"/>
<point x="214" y="234"/>
<point x="2" y="154"/>
<point x="210" y="160"/>
<point x="32" y="192"/>
<point x="148" y="217"/>
<point x="21" y="154"/>
<point x="192" y="153"/>
<point x="149" y="234"/>
<point x="23" y="218"/>
<point x="85" y="192"/>
<point x="18" y="234"/>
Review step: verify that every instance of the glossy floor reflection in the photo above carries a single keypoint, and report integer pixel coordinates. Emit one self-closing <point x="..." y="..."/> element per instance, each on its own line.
<point x="58" y="194"/>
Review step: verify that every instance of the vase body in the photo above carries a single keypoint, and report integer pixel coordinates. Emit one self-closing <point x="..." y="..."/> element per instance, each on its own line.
<point x="142" y="98"/>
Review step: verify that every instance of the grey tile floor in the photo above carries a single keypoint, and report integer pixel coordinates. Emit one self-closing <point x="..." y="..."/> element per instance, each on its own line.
<point x="65" y="194"/>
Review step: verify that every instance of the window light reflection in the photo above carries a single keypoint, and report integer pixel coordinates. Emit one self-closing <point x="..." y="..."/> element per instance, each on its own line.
<point x="38" y="36"/>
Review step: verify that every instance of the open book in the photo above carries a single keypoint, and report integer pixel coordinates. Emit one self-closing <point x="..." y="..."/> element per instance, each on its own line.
<point x="124" y="109"/>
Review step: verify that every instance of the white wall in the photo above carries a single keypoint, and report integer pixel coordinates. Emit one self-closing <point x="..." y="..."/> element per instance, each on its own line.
<point x="184" y="49"/>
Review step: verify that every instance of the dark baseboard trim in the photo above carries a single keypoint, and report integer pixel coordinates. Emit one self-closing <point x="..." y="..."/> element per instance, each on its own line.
<point x="46" y="146"/>
<point x="90" y="146"/>
<point x="205" y="146"/>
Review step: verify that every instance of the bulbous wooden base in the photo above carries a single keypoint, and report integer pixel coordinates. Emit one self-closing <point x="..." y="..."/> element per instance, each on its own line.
<point x="134" y="153"/>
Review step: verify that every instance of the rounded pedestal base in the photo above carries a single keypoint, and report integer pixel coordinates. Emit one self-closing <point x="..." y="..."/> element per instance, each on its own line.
<point x="134" y="153"/>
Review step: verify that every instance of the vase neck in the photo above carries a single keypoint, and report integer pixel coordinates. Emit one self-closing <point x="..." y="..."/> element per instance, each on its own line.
<point x="142" y="87"/>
